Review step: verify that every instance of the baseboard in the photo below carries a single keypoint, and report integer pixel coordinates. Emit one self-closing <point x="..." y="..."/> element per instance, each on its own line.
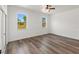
<point x="63" y="36"/>
<point x="45" y="34"/>
<point x="27" y="37"/>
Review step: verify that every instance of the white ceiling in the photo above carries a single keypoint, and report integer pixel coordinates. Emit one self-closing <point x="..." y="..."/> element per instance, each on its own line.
<point x="58" y="8"/>
<point x="62" y="8"/>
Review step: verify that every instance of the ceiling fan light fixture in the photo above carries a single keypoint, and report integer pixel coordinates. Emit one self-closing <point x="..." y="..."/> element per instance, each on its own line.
<point x="47" y="9"/>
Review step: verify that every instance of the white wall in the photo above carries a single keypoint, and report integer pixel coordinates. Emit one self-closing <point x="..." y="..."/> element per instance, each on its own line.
<point x="66" y="23"/>
<point x="34" y="23"/>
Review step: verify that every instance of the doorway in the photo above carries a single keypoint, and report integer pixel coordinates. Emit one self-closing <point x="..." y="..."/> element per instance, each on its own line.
<point x="2" y="31"/>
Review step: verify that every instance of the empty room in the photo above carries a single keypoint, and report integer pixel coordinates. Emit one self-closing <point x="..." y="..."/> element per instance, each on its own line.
<point x="39" y="29"/>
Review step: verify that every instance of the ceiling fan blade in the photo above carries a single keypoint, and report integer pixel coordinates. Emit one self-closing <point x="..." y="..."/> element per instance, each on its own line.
<point x="52" y="8"/>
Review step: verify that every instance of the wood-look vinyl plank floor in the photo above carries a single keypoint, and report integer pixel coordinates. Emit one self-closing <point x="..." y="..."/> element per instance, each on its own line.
<point x="44" y="44"/>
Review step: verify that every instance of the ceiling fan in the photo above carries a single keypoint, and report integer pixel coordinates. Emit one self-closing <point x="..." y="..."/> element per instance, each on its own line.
<point x="48" y="8"/>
